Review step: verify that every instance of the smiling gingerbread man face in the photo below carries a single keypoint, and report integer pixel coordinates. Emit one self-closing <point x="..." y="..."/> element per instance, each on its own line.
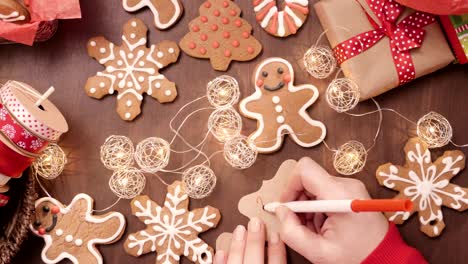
<point x="273" y="76"/>
<point x="72" y="232"/>
<point x="279" y="107"/>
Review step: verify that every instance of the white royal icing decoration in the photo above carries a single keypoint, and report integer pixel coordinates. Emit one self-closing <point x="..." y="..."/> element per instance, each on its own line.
<point x="171" y="229"/>
<point x="88" y="218"/>
<point x="69" y="238"/>
<point x="302" y="112"/>
<point x="280" y="29"/>
<point x="425" y="184"/>
<point x="275" y="99"/>
<point x="59" y="232"/>
<point x="78" y="242"/>
<point x="12" y="17"/>
<point x="158" y="23"/>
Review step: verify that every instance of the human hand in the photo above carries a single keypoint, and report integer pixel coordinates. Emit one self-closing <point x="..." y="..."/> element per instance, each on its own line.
<point x="334" y="237"/>
<point x="248" y="246"/>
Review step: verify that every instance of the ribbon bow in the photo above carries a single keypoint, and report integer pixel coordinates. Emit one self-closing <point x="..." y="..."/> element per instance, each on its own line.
<point x="404" y="36"/>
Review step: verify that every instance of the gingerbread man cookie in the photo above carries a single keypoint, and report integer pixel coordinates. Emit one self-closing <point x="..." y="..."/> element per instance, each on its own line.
<point x="172" y="230"/>
<point x="13" y="12"/>
<point x="427" y="184"/>
<point x="281" y="23"/>
<point x="72" y="232"/>
<point x="165" y="12"/>
<point x="219" y="34"/>
<point x="132" y="69"/>
<point x="280" y="107"/>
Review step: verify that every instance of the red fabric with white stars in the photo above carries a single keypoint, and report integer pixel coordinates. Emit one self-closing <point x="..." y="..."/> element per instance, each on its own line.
<point x="3" y="200"/>
<point x="404" y="36"/>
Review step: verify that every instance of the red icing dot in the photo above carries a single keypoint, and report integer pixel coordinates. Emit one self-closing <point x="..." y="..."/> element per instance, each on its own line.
<point x="227" y="53"/>
<point x="215" y="44"/>
<point x="216" y="12"/>
<point x="238" y="23"/>
<point x="203" y="37"/>
<point x="195" y="28"/>
<point x="287" y="78"/>
<point x="207" y="4"/>
<point x="225" y="20"/>
<point x="225" y="4"/>
<point x="214" y="27"/>
<point x="202" y="51"/>
<point x="235" y="43"/>
<point x="259" y="83"/>
<point x="233" y="12"/>
<point x="41" y="231"/>
<point x="55" y="210"/>
<point x="245" y="34"/>
<point x="204" y="19"/>
<point x="192" y="45"/>
<point x="226" y="34"/>
<point x="250" y="50"/>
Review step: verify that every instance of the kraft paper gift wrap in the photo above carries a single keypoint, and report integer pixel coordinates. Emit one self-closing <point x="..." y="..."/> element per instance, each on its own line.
<point x="374" y="69"/>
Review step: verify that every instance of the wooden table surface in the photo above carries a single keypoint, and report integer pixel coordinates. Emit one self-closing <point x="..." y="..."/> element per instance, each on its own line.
<point x="63" y="62"/>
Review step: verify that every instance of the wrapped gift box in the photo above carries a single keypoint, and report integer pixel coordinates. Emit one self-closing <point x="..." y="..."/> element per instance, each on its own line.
<point x="374" y="69"/>
<point x="456" y="28"/>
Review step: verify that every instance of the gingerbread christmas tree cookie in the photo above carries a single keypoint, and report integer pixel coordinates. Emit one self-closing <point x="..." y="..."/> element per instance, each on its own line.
<point x="427" y="184"/>
<point x="72" y="232"/>
<point x="132" y="69"/>
<point x="172" y="230"/>
<point x="280" y="107"/>
<point x="165" y="12"/>
<point x="219" y="34"/>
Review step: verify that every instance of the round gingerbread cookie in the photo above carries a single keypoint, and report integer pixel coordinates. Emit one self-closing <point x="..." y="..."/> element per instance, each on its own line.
<point x="280" y="107"/>
<point x="281" y="23"/>
<point x="13" y="12"/>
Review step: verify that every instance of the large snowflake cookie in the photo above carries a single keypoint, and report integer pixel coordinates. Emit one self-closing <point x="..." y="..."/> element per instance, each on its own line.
<point x="280" y="108"/>
<point x="281" y="23"/>
<point x="132" y="69"/>
<point x="172" y="230"/>
<point x="72" y="232"/>
<point x="165" y="12"/>
<point x="427" y="184"/>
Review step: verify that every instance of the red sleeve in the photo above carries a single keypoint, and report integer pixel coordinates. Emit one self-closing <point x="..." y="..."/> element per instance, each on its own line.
<point x="393" y="250"/>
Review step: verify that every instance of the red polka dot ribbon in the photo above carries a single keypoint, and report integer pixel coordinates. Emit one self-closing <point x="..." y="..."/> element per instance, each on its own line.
<point x="404" y="36"/>
<point x="3" y="200"/>
<point x="21" y="137"/>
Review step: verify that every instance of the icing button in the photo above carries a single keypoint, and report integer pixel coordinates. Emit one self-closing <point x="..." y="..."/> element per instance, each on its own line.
<point x="127" y="116"/>
<point x="280" y="119"/>
<point x="203" y="37"/>
<point x="195" y="28"/>
<point x="227" y="53"/>
<point x="225" y="4"/>
<point x="207" y="4"/>
<point x="225" y="20"/>
<point x="78" y="242"/>
<point x="238" y="23"/>
<point x="69" y="238"/>
<point x="215" y="44"/>
<point x="278" y="108"/>
<point x="235" y="43"/>
<point x="226" y="34"/>
<point x="202" y="51"/>
<point x="204" y="19"/>
<point x="168" y="92"/>
<point x="245" y="34"/>
<point x="275" y="99"/>
<point x="216" y="13"/>
<point x="59" y="232"/>
<point x="233" y="12"/>
<point x="192" y="45"/>
<point x="92" y="90"/>
<point x="250" y="50"/>
<point x="214" y="27"/>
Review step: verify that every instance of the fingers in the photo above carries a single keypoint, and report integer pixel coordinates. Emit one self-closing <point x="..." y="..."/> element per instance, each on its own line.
<point x="297" y="236"/>
<point x="236" y="251"/>
<point x="255" y="247"/>
<point x="276" y="250"/>
<point x="220" y="257"/>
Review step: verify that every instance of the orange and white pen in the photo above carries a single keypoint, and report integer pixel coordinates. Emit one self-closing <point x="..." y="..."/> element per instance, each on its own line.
<point x="344" y="206"/>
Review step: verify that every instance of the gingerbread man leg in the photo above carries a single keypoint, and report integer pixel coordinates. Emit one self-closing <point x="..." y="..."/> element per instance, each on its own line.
<point x="306" y="132"/>
<point x="268" y="138"/>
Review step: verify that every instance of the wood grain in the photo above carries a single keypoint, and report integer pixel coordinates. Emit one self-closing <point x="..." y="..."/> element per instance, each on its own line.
<point x="64" y="63"/>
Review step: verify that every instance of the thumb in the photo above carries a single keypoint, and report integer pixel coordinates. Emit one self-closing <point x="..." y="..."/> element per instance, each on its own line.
<point x="298" y="237"/>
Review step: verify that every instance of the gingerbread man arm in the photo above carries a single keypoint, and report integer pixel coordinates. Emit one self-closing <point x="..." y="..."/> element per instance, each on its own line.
<point x="251" y="106"/>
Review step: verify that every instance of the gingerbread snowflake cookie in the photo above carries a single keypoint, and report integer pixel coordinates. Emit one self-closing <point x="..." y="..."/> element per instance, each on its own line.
<point x="280" y="108"/>
<point x="427" y="184"/>
<point x="172" y="230"/>
<point x="219" y="34"/>
<point x="281" y="23"/>
<point x="72" y="232"/>
<point x="13" y="12"/>
<point x="132" y="69"/>
<point x="165" y="12"/>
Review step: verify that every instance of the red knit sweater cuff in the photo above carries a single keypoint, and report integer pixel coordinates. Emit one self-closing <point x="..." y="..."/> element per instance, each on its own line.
<point x="393" y="250"/>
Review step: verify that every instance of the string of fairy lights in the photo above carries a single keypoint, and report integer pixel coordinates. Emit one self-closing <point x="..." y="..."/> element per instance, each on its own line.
<point x="152" y="155"/>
